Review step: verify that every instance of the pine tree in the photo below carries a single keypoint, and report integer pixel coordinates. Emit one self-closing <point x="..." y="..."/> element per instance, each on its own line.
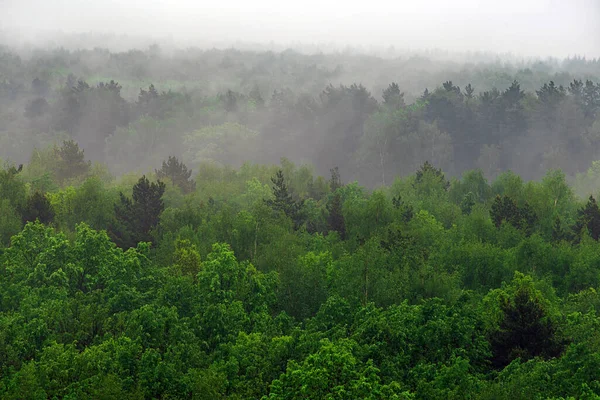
<point x="71" y="161"/>
<point x="406" y="210"/>
<point x="467" y="203"/>
<point x="558" y="233"/>
<point x="37" y="207"/>
<point x="429" y="170"/>
<point x="469" y="90"/>
<point x="230" y="101"/>
<point x="588" y="217"/>
<point x="335" y="182"/>
<point x="283" y="200"/>
<point x="392" y="97"/>
<point x="506" y="209"/>
<point x="335" y="220"/>
<point x="178" y="173"/>
<point x="138" y="216"/>
<point x="525" y="331"/>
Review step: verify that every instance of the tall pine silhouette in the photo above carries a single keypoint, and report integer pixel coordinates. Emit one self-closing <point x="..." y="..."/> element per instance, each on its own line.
<point x="136" y="217"/>
<point x="178" y="173"/>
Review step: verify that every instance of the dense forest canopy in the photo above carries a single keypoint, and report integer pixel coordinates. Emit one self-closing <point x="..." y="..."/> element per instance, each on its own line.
<point x="211" y="224"/>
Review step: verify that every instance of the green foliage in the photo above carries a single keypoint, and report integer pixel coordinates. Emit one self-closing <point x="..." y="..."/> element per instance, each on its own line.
<point x="37" y="207"/>
<point x="504" y="209"/>
<point x="178" y="173"/>
<point x="525" y="329"/>
<point x="283" y="200"/>
<point x="335" y="219"/>
<point x="138" y="216"/>
<point x="334" y="372"/>
<point x="588" y="218"/>
<point x="271" y="281"/>
<point x="428" y="179"/>
<point x="70" y="161"/>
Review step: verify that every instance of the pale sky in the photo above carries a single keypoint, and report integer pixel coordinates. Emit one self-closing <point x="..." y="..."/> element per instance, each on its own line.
<point x="522" y="27"/>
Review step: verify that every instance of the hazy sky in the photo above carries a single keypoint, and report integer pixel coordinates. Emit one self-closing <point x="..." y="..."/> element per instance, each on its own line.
<point x="523" y="27"/>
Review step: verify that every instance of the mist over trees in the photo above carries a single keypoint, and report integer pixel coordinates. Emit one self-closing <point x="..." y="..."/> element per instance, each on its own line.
<point x="131" y="110"/>
<point x="276" y="225"/>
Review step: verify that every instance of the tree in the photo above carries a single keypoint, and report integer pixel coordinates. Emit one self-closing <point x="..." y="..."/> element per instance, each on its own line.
<point x="335" y="219"/>
<point x="429" y="175"/>
<point x="467" y="203"/>
<point x="505" y="209"/>
<point x="406" y="210"/>
<point x="36" y="107"/>
<point x="230" y="101"/>
<point x="334" y="372"/>
<point x="392" y="97"/>
<point x="138" y="216"/>
<point x="91" y="114"/>
<point x="588" y="217"/>
<point x="558" y="233"/>
<point x="37" y="207"/>
<point x="525" y="329"/>
<point x="469" y="90"/>
<point x="147" y="101"/>
<point x="335" y="181"/>
<point x="178" y="173"/>
<point x="283" y="200"/>
<point x="71" y="161"/>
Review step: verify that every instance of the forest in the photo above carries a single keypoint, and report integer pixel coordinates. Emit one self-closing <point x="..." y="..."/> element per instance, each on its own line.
<point x="211" y="224"/>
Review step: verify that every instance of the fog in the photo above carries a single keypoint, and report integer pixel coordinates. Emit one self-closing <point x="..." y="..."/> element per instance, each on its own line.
<point x="525" y="28"/>
<point x="375" y="89"/>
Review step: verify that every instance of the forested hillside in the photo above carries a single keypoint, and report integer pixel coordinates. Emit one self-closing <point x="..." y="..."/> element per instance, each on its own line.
<point x="238" y="227"/>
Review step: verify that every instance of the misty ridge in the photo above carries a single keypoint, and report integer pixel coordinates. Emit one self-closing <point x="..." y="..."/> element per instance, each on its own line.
<point x="374" y="116"/>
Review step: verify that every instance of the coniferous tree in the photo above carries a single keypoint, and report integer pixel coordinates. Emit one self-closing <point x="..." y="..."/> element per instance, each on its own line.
<point x="525" y="331"/>
<point x="147" y="101"/>
<point x="406" y="210"/>
<point x="36" y="107"/>
<point x="428" y="169"/>
<point x="178" y="173"/>
<point x="37" y="207"/>
<point x="335" y="182"/>
<point x="71" y="161"/>
<point x="392" y="97"/>
<point x="505" y="209"/>
<point x="335" y="220"/>
<point x="467" y="203"/>
<point x="588" y="217"/>
<point x="137" y="216"/>
<point x="558" y="232"/>
<point x="283" y="200"/>
<point x="230" y="101"/>
<point x="469" y="90"/>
